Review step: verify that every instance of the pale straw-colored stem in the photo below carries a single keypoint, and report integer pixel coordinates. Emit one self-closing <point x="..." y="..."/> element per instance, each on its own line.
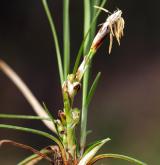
<point x="27" y="94"/>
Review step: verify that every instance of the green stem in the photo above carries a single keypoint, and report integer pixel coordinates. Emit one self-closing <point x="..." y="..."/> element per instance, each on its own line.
<point x="87" y="19"/>
<point x="10" y="116"/>
<point x="54" y="34"/>
<point x="70" y="131"/>
<point x="71" y="139"/>
<point x="66" y="37"/>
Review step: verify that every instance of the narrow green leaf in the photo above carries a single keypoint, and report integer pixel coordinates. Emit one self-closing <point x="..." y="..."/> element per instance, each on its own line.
<point x="116" y="156"/>
<point x="30" y="130"/>
<point x="37" y="132"/>
<point x="48" y="112"/>
<point x="26" y="117"/>
<point x="91" y="151"/>
<point x="54" y="34"/>
<point x="66" y="37"/>
<point x="51" y="117"/>
<point x="87" y="21"/>
<point x="93" y="88"/>
<point x="85" y="37"/>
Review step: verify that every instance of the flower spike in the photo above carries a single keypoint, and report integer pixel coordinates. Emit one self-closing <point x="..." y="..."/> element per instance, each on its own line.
<point x="113" y="26"/>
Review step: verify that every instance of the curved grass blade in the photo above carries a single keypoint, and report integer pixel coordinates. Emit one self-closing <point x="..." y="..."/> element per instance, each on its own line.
<point x="116" y="156"/>
<point x="26" y="117"/>
<point x="54" y="34"/>
<point x="26" y="93"/>
<point x="93" y="88"/>
<point x="37" y="132"/>
<point x="50" y="116"/>
<point x="30" y="130"/>
<point x="85" y="37"/>
<point x="91" y="151"/>
<point x="26" y="147"/>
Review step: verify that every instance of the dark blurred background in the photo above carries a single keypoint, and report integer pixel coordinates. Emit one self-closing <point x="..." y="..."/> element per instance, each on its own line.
<point x="126" y="106"/>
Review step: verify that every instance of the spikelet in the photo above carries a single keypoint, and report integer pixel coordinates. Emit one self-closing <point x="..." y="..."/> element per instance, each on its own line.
<point x="113" y="26"/>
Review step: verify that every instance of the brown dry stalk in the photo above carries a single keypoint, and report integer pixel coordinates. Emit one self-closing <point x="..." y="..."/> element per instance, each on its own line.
<point x="8" y="71"/>
<point x="26" y="147"/>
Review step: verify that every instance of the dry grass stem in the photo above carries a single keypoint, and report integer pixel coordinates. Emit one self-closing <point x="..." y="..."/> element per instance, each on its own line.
<point x="8" y="71"/>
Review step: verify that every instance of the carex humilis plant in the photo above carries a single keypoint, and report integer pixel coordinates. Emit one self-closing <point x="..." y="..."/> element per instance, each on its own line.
<point x="65" y="148"/>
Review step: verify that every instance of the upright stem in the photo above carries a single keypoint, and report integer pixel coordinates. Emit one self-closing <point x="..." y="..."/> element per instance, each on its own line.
<point x="87" y="20"/>
<point x="54" y="34"/>
<point x="66" y="37"/>
<point x="70" y="131"/>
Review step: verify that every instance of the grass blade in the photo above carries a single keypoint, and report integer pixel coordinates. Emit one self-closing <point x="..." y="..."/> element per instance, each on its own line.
<point x="33" y="131"/>
<point x="116" y="156"/>
<point x="50" y="116"/>
<point x="37" y="132"/>
<point x="92" y="89"/>
<point x="26" y="93"/>
<point x="54" y="34"/>
<point x="26" y="117"/>
<point x="66" y="37"/>
<point x="87" y="19"/>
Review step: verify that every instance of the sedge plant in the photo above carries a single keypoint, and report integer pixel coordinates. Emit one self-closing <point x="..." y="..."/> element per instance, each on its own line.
<point x="65" y="148"/>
